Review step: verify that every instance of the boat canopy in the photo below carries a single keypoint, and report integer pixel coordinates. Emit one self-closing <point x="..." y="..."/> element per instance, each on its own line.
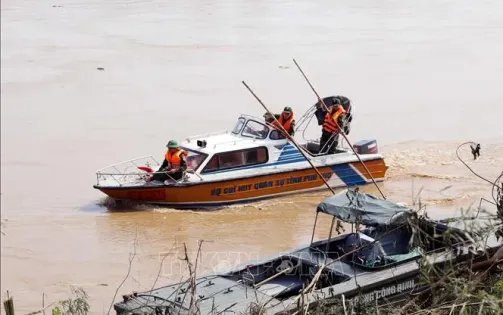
<point x="352" y="205"/>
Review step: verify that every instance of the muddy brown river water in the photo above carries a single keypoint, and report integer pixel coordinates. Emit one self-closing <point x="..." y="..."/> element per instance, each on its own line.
<point x="424" y="76"/>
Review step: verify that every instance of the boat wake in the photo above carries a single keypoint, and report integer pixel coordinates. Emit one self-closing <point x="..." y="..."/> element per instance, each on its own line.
<point x="172" y="210"/>
<point x="122" y="205"/>
<point x="438" y="161"/>
<point x="435" y="176"/>
<point x="446" y="200"/>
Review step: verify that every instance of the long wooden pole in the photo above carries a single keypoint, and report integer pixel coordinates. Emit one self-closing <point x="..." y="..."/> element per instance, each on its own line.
<point x="312" y="88"/>
<point x="290" y="138"/>
<point x="340" y="130"/>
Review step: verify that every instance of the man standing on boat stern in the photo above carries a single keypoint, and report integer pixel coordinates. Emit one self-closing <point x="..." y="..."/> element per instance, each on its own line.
<point x="174" y="164"/>
<point x="330" y="131"/>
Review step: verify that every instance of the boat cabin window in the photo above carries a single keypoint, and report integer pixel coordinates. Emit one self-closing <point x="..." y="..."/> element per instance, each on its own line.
<point x="239" y="158"/>
<point x="276" y="135"/>
<point x="194" y="159"/>
<point x="239" y="125"/>
<point x="254" y="129"/>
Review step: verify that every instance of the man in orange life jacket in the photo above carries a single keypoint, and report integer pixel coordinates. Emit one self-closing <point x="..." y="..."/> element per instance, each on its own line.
<point x="174" y="164"/>
<point x="286" y="119"/>
<point x="330" y="132"/>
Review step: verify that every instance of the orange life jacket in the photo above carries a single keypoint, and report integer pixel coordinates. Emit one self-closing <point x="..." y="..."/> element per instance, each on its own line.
<point x="174" y="159"/>
<point x="275" y="124"/>
<point x="329" y="124"/>
<point x="286" y="123"/>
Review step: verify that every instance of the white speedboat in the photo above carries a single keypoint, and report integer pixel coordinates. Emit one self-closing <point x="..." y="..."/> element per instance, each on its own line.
<point x="252" y="161"/>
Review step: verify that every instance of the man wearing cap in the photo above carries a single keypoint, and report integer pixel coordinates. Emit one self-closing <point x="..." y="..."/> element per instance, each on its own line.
<point x="174" y="164"/>
<point x="286" y="119"/>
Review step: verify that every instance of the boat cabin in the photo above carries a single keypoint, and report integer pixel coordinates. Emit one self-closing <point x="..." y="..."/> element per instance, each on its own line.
<point x="251" y="143"/>
<point x="245" y="145"/>
<point x="251" y="147"/>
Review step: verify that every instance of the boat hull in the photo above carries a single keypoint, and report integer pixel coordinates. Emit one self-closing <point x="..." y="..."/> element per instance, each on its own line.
<point x="210" y="194"/>
<point x="264" y="283"/>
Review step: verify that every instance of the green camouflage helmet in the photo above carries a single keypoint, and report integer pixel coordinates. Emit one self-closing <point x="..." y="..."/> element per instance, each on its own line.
<point x="287" y="109"/>
<point x="172" y="144"/>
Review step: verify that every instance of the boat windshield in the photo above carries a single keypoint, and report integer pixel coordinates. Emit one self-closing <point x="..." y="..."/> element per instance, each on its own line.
<point x="255" y="129"/>
<point x="239" y="125"/>
<point x="194" y="159"/>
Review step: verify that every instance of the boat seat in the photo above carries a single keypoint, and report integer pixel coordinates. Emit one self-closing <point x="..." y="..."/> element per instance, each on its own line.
<point x="396" y="243"/>
<point x="282" y="285"/>
<point x="355" y="240"/>
<point x="369" y="252"/>
<point x="313" y="147"/>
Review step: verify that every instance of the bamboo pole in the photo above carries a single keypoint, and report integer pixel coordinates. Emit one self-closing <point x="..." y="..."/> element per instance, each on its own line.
<point x="341" y="131"/>
<point x="290" y="138"/>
